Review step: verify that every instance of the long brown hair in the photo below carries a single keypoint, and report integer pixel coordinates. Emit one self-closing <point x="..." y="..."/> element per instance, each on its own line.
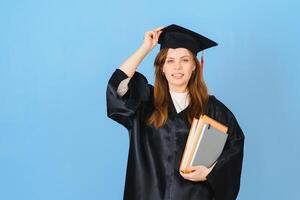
<point x="196" y="86"/>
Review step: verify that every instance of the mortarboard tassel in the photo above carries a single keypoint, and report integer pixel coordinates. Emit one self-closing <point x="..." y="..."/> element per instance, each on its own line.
<point x="202" y="60"/>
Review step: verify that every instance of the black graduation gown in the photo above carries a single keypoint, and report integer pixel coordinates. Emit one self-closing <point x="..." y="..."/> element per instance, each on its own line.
<point x="155" y="154"/>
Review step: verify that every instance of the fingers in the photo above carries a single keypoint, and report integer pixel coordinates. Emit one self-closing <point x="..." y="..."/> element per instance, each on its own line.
<point x="198" y="173"/>
<point x="196" y="170"/>
<point x="151" y="37"/>
<point x="155" y="32"/>
<point x="190" y="175"/>
<point x="151" y="34"/>
<point x="193" y="176"/>
<point x="197" y="167"/>
<point x="156" y="36"/>
<point x="159" y="32"/>
<point x="186" y="176"/>
<point x="159" y="28"/>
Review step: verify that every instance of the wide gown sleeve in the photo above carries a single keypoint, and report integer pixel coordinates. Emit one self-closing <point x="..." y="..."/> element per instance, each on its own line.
<point x="225" y="176"/>
<point x="122" y="109"/>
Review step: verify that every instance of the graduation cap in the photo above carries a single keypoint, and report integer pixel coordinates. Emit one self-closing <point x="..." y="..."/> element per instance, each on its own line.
<point x="174" y="36"/>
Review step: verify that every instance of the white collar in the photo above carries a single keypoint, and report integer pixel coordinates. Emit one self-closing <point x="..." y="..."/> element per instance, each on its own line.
<point x="180" y="100"/>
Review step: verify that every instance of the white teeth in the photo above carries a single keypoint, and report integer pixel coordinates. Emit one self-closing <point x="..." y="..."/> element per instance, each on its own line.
<point x="177" y="75"/>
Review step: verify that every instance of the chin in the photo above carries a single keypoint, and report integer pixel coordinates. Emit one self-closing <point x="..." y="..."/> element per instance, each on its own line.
<point x="178" y="84"/>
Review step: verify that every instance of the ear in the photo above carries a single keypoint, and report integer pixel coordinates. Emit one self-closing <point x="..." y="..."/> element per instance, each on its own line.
<point x="194" y="68"/>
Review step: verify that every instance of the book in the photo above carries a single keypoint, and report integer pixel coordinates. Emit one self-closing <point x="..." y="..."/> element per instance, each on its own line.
<point x="205" y="143"/>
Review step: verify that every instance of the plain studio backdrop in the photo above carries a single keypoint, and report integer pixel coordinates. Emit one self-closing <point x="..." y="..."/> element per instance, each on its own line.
<point x="56" y="57"/>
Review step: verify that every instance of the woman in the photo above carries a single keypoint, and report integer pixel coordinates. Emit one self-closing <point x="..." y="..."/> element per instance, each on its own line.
<point x="158" y="119"/>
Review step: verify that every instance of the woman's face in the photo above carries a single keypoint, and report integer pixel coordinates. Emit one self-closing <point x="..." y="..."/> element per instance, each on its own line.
<point x="178" y="68"/>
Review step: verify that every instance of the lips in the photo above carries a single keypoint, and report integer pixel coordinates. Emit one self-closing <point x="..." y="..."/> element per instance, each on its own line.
<point x="177" y="75"/>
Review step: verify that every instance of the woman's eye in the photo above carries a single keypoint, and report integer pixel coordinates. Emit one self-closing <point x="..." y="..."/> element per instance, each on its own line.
<point x="186" y="60"/>
<point x="169" y="61"/>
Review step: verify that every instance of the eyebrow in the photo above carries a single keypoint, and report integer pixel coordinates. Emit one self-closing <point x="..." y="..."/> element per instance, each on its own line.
<point x="180" y="57"/>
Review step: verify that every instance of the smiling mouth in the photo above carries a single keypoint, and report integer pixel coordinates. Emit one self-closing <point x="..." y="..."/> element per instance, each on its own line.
<point x="178" y="75"/>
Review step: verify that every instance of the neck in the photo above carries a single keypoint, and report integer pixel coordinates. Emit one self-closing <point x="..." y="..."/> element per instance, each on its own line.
<point x="178" y="89"/>
<point x="181" y="92"/>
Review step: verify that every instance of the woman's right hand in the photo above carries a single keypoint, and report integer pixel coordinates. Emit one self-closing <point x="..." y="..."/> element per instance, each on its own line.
<point x="130" y="65"/>
<point x="151" y="38"/>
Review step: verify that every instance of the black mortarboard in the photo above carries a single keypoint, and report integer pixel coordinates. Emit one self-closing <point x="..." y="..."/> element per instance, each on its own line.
<point x="174" y="36"/>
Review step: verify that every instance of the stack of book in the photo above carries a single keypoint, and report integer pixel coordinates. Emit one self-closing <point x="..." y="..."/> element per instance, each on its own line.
<point x="205" y="143"/>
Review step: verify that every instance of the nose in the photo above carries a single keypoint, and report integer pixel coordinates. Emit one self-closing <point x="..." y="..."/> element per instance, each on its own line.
<point x="177" y="65"/>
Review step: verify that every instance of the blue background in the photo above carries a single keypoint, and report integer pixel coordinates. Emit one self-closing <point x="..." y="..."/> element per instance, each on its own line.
<point x="56" y="57"/>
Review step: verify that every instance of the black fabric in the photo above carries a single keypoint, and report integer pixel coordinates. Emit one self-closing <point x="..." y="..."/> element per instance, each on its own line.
<point x="175" y="36"/>
<point x="155" y="153"/>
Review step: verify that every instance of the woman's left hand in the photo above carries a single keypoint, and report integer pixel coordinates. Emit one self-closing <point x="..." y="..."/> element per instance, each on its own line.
<point x="198" y="173"/>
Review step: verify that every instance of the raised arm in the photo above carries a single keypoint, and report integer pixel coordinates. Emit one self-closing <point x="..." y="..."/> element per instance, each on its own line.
<point x="130" y="65"/>
<point x="121" y="107"/>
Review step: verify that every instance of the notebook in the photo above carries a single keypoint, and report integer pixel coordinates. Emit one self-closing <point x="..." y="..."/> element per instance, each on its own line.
<point x="205" y="143"/>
